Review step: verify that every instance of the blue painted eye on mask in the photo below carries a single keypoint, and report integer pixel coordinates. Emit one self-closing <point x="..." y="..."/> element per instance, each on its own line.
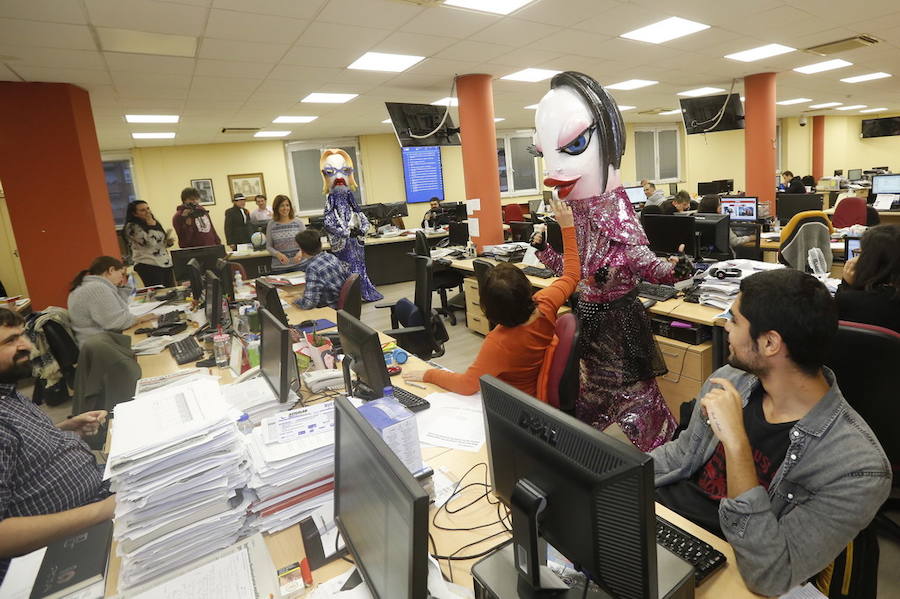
<point x="580" y="143"/>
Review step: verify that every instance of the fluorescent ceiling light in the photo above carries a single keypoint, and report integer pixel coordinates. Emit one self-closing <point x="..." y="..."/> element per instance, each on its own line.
<point x="497" y="7"/>
<point x="446" y="102"/>
<point x="668" y="29"/>
<point x="794" y="101"/>
<point x="882" y="109"/>
<point x="668" y="112"/>
<point x="624" y="107"/>
<point x="869" y="77"/>
<point x="328" y="98"/>
<point x="826" y="105"/>
<point x="295" y="119"/>
<point x="271" y="134"/>
<point x="151" y="118"/>
<point x="530" y="75"/>
<point x="760" y="52"/>
<point x="701" y="91"/>
<point x="827" y="65"/>
<point x="142" y="42"/>
<point x="160" y="135"/>
<point x="380" y="61"/>
<point x="531" y="107"/>
<point x="497" y="119"/>
<point x="852" y="107"/>
<point x="631" y="84"/>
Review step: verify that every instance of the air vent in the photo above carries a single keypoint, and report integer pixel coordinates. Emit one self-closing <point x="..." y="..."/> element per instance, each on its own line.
<point x="851" y="43"/>
<point x="240" y="129"/>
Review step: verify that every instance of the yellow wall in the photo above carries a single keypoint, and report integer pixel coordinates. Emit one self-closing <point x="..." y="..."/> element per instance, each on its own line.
<point x="845" y="149"/>
<point x="712" y="156"/>
<point x="796" y="147"/>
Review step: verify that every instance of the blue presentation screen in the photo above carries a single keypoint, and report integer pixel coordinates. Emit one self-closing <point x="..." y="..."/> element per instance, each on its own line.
<point x="423" y="174"/>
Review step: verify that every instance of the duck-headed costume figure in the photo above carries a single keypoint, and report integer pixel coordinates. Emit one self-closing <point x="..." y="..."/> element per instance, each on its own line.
<point x="580" y="134"/>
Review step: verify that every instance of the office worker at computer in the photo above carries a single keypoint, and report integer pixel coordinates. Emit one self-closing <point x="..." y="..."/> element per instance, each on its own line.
<point x="581" y="135"/>
<point x="514" y="350"/>
<point x="436" y="216"/>
<point x="655" y="196"/>
<point x="774" y="458"/>
<point x="870" y="289"/>
<point x="791" y="183"/>
<point x="50" y="484"/>
<point x="325" y="274"/>
<point x="682" y="202"/>
<point x="713" y="205"/>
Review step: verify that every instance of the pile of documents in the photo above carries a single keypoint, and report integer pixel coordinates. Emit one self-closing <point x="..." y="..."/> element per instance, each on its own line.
<point x="507" y="252"/>
<point x="178" y="466"/>
<point x="253" y="397"/>
<point x="292" y="463"/>
<point x="721" y="292"/>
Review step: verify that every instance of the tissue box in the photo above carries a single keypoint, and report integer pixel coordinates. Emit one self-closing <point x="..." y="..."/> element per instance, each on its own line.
<point x="397" y="426"/>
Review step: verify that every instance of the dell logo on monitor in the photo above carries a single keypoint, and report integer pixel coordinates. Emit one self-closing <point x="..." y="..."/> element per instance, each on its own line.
<point x="538" y="427"/>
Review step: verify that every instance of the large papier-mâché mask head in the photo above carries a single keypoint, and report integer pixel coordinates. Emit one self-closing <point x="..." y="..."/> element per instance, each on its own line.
<point x="337" y="169"/>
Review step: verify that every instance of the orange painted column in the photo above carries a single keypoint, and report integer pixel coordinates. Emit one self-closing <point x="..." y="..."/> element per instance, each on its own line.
<point x="818" y="147"/>
<point x="759" y="137"/>
<point x="52" y="175"/>
<point x="479" y="153"/>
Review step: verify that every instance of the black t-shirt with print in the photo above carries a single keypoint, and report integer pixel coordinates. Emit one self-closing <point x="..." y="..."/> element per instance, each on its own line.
<point x="697" y="498"/>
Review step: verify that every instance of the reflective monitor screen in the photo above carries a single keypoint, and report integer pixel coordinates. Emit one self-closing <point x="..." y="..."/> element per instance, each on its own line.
<point x="636" y="195"/>
<point x="740" y="208"/>
<point x="886" y="184"/>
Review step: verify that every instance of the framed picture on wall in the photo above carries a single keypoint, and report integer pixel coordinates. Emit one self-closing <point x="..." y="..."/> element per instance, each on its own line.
<point x="250" y="185"/>
<point x="205" y="187"/>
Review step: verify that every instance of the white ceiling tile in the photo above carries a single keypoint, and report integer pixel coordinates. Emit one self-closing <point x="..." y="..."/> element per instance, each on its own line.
<point x="442" y="20"/>
<point x="232" y="68"/>
<point x="145" y="63"/>
<point x="241" y="50"/>
<point x="83" y="77"/>
<point x="721" y="14"/>
<point x="305" y="9"/>
<point x="158" y="80"/>
<point x="573" y="41"/>
<point x="516" y="33"/>
<point x="385" y="14"/>
<point x="51" y="57"/>
<point x="48" y="35"/>
<point x="131" y="92"/>
<point x="232" y="25"/>
<point x="142" y="15"/>
<point x="288" y="72"/>
<point x="413" y="43"/>
<point x="52" y="11"/>
<point x="222" y="88"/>
<point x="529" y="56"/>
<point x="320" y="57"/>
<point x="324" y="36"/>
<point x="470" y="50"/>
<point x="566" y="13"/>
<point x="622" y="19"/>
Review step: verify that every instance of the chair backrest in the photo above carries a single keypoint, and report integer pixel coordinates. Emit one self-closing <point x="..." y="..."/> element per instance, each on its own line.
<point x="804" y="231"/>
<point x="482" y="268"/>
<point x="851" y="211"/>
<point x="512" y="212"/>
<point x="430" y="342"/>
<point x="350" y="298"/>
<point x="64" y="349"/>
<point x="863" y="358"/>
<point x="521" y="231"/>
<point x="424" y="284"/>
<point x="421" y="245"/>
<point x="562" y="382"/>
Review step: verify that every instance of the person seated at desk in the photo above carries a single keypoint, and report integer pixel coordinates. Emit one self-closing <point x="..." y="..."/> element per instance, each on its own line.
<point x="436" y="215"/>
<point x="870" y="289"/>
<point x="682" y="202"/>
<point x="98" y="300"/>
<point x="50" y="484"/>
<point x="514" y="350"/>
<point x="774" y="458"/>
<point x="281" y="233"/>
<point x="791" y="183"/>
<point x="325" y="274"/>
<point x="655" y="197"/>
<point x="711" y="204"/>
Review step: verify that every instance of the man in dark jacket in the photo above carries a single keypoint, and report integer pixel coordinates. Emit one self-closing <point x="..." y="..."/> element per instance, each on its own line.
<point x="237" y="222"/>
<point x="192" y="223"/>
<point x="792" y="184"/>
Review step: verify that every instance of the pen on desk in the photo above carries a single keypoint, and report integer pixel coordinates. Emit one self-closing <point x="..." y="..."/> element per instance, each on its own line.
<point x="416" y="385"/>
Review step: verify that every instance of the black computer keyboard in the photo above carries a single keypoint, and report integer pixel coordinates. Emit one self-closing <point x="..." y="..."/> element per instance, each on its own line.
<point x="660" y="293"/>
<point x="169" y="318"/>
<point x="696" y="552"/>
<point x="186" y="350"/>
<point x="411" y="400"/>
<point x="534" y="271"/>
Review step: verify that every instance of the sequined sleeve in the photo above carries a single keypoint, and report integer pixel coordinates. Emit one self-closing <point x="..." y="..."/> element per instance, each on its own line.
<point x="647" y="266"/>
<point x="551" y="259"/>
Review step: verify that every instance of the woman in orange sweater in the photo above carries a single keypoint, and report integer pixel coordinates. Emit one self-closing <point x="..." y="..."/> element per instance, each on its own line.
<point x="514" y="350"/>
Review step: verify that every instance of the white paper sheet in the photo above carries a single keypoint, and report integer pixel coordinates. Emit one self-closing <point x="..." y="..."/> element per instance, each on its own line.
<point x="474" y="231"/>
<point x="473" y="205"/>
<point x="141" y="308"/>
<point x="807" y="591"/>
<point x="21" y="575"/>
<point x="454" y="421"/>
<point x="228" y="577"/>
<point x="883" y="201"/>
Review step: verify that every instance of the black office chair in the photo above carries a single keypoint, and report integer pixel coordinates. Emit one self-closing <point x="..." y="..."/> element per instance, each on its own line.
<point x="415" y="325"/>
<point x="442" y="280"/>
<point x="63" y="348"/>
<point x="350" y="298"/>
<point x="482" y="268"/>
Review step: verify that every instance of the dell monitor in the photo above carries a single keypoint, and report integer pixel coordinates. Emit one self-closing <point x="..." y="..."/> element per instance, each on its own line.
<point x="636" y="195"/>
<point x="206" y="255"/>
<point x="194" y="271"/>
<point x="743" y="209"/>
<point x="666" y="232"/>
<point x="380" y="509"/>
<point x="585" y="493"/>
<point x="458" y="234"/>
<point x="885" y="184"/>
<point x="713" y="236"/>
<point x="422" y="125"/>
<point x="213" y="301"/>
<point x="854" y="174"/>
<point x="789" y="204"/>
<point x="224" y="272"/>
<point x="373" y="212"/>
<point x="455" y="211"/>
<point x="395" y="210"/>
<point x="362" y="354"/>
<point x="267" y="296"/>
<point x="707" y="188"/>
<point x="275" y="354"/>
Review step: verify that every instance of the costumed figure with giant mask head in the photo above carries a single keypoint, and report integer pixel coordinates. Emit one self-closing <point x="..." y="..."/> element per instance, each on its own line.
<point x="580" y="134"/>
<point x="345" y="224"/>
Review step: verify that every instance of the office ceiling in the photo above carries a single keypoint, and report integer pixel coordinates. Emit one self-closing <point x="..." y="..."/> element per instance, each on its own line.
<point x="256" y="59"/>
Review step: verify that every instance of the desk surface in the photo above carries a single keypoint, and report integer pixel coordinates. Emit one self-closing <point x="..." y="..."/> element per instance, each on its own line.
<point x="286" y="546"/>
<point x="326" y="245"/>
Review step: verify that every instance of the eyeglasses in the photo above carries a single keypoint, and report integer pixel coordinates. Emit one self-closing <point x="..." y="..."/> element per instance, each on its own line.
<point x="330" y="171"/>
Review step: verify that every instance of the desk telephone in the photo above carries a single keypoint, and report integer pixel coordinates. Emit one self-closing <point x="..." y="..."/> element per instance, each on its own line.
<point x="319" y="380"/>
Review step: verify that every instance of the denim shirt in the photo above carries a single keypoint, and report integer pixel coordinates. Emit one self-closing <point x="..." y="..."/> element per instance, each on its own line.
<point x="833" y="479"/>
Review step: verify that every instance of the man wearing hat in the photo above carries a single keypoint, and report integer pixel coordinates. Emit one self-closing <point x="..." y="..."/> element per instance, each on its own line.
<point x="237" y="222"/>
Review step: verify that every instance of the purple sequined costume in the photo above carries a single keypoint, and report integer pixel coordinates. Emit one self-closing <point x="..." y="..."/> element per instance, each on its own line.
<point x="348" y="245"/>
<point x="619" y="357"/>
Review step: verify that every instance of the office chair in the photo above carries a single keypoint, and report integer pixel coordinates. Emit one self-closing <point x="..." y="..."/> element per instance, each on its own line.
<point x="560" y="372"/>
<point x="482" y="268"/>
<point x="512" y="213"/>
<point x="849" y="211"/>
<point x="863" y="358"/>
<point x="63" y="348"/>
<point x="415" y="325"/>
<point x="805" y="230"/>
<point x="350" y="298"/>
<point x="442" y="280"/>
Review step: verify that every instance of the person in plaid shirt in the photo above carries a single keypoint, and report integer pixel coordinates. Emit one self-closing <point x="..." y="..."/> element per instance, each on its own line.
<point x="50" y="484"/>
<point x="325" y="274"/>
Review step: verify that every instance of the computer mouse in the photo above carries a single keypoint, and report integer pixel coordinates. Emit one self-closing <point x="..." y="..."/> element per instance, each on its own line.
<point x="307" y="324"/>
<point x="394" y="370"/>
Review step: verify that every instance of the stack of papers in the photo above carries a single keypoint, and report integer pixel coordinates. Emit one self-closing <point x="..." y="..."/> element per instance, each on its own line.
<point x="721" y="293"/>
<point x="292" y="463"/>
<point x="454" y="421"/>
<point x="178" y="466"/>
<point x="505" y="249"/>
<point x="254" y="397"/>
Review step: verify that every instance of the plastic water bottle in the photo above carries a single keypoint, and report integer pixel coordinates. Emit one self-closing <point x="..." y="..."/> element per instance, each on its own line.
<point x="389" y="392"/>
<point x="253" y="351"/>
<point x="220" y="349"/>
<point x="244" y="424"/>
<point x="238" y="281"/>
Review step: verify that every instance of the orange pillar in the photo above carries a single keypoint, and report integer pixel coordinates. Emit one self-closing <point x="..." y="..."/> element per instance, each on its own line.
<point x="818" y="147"/>
<point x="759" y="137"/>
<point x="55" y="188"/>
<point x="479" y="153"/>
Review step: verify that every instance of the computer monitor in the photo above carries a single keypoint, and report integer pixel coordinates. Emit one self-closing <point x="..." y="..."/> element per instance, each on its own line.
<point x="725" y="185"/>
<point x="317" y="223"/>
<point x="789" y="204"/>
<point x="587" y="494"/>
<point x="458" y="234"/>
<point x="534" y="207"/>
<point x="521" y="231"/>
<point x="673" y="188"/>
<point x="885" y="184"/>
<point x="373" y="212"/>
<point x="838" y="172"/>
<point x="455" y="211"/>
<point x="777" y="181"/>
<point x="380" y="509"/>
<point x="707" y="188"/>
<point x="362" y="354"/>
<point x="554" y="236"/>
<point x="213" y="301"/>
<point x="666" y="232"/>
<point x="854" y="174"/>
<point x="852" y="247"/>
<point x="206" y="255"/>
<point x="195" y="277"/>
<point x="267" y="296"/>
<point x="713" y="235"/>
<point x="413" y="122"/>
<point x="636" y="195"/>
<point x="275" y="354"/>
<point x="224" y="272"/>
<point x="740" y="209"/>
<point x="395" y="209"/>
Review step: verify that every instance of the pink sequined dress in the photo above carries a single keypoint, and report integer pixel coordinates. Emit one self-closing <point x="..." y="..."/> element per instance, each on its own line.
<point x="619" y="357"/>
